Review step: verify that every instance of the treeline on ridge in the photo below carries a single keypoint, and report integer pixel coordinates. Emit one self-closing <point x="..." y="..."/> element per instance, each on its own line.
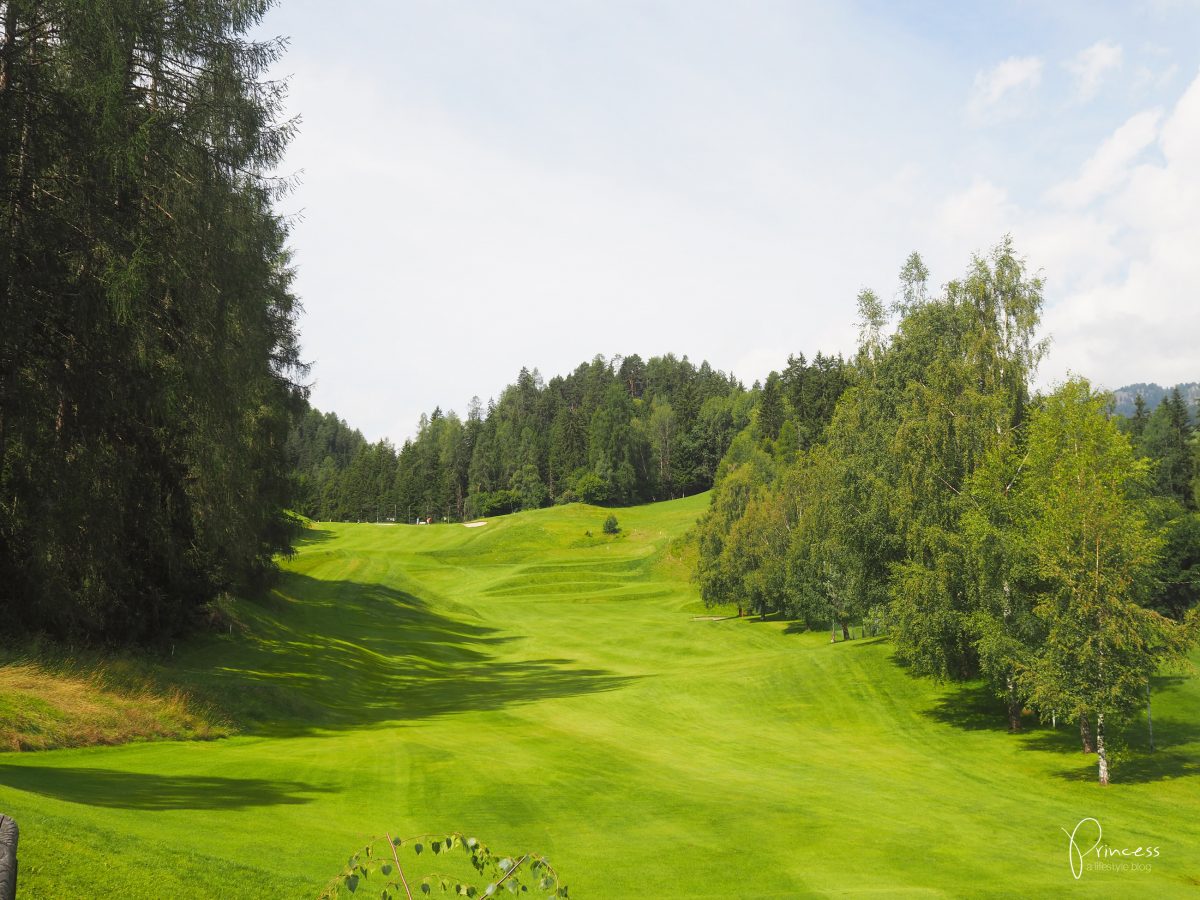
<point x="611" y="432"/>
<point x="1039" y="542"/>
<point x="147" y="337"/>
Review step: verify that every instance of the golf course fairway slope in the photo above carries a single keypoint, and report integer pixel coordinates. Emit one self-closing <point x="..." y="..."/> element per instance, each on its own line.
<point x="556" y="691"/>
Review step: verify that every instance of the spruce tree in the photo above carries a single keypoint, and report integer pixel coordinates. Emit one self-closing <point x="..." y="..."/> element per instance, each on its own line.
<point x="148" y="344"/>
<point x="770" y="408"/>
<point x="1167" y="441"/>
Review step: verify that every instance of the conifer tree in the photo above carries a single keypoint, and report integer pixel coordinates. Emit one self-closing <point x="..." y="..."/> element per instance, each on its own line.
<point x="1167" y="441"/>
<point x="770" y="408"/>
<point x="148" y="347"/>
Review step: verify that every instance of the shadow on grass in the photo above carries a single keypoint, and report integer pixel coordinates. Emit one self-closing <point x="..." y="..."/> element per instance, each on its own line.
<point x="858" y="637"/>
<point x="135" y="790"/>
<point x="772" y="616"/>
<point x="973" y="707"/>
<point x="868" y="641"/>
<point x="330" y="655"/>
<point x="1139" y="768"/>
<point x="311" y="536"/>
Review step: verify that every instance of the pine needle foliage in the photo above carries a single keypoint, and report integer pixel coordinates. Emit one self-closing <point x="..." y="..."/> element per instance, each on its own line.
<point x="148" y="352"/>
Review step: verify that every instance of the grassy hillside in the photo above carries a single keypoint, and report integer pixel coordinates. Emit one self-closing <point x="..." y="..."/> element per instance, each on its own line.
<point x="73" y="704"/>
<point x="552" y="691"/>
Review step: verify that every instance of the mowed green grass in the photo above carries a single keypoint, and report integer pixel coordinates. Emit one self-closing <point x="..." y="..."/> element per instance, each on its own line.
<point x="548" y="691"/>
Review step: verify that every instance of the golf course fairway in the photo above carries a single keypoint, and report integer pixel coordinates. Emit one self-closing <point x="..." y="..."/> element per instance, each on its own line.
<point x="551" y="690"/>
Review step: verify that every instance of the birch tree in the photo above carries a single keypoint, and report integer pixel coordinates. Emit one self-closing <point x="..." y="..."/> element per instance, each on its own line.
<point x="1082" y="516"/>
<point x="961" y="366"/>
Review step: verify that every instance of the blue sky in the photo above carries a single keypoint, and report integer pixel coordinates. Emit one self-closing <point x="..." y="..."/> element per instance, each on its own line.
<point x="491" y="185"/>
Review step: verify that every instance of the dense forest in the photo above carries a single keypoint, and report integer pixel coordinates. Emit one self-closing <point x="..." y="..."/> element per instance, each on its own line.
<point x="1132" y="397"/>
<point x="610" y="432"/>
<point x="1037" y="541"/>
<point x="147" y="328"/>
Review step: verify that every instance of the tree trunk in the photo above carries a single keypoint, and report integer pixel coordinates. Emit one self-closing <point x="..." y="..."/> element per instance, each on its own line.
<point x="1014" y="706"/>
<point x="845" y="632"/>
<point x="7" y="49"/>
<point x="1149" y="717"/>
<point x="1085" y="734"/>
<point x="1101" y="754"/>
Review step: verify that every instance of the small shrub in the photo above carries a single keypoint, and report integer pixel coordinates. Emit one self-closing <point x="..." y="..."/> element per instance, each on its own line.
<point x="494" y="503"/>
<point x="591" y="488"/>
<point x="611" y="526"/>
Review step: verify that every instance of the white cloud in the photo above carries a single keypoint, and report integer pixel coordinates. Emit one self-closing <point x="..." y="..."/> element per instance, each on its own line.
<point x="1117" y="243"/>
<point x="997" y="91"/>
<point x="1140" y="322"/>
<point x="1089" y="67"/>
<point x="1111" y="164"/>
<point x="1147" y="79"/>
<point x="1181" y="134"/>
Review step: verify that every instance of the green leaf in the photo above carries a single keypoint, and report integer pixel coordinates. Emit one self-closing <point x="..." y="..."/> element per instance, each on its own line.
<point x="352" y="883"/>
<point x="386" y="868"/>
<point x="417" y="848"/>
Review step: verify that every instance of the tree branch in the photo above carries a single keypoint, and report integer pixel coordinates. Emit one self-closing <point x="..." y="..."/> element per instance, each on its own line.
<point x="399" y="868"/>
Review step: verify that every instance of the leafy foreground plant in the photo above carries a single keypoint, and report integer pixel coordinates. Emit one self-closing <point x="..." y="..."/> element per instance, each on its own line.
<point x="374" y="870"/>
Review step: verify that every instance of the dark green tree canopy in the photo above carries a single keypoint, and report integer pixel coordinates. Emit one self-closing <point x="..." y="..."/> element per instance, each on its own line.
<point x="147" y="344"/>
<point x="618" y="431"/>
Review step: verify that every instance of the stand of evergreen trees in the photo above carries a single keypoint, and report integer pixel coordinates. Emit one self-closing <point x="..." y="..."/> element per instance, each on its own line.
<point x="611" y="432"/>
<point x="1168" y="438"/>
<point x="147" y="329"/>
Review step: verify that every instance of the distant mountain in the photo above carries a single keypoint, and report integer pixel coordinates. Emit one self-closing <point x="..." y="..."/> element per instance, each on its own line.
<point x="1153" y="394"/>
